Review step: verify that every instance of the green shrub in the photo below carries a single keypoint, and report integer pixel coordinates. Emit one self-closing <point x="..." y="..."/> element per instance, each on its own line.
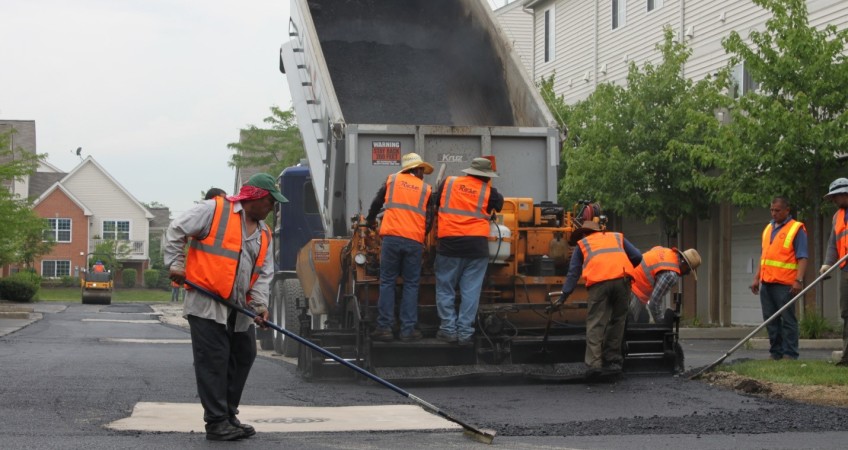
<point x="128" y="277"/>
<point x="813" y="326"/>
<point x="151" y="278"/>
<point x="70" y="281"/>
<point x="20" y="287"/>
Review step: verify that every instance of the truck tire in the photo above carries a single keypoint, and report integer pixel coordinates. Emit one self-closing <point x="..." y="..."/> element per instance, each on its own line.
<point x="266" y="337"/>
<point x="288" y="309"/>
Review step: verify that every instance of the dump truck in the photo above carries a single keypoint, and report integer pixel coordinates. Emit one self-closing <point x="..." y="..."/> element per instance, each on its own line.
<point x="372" y="80"/>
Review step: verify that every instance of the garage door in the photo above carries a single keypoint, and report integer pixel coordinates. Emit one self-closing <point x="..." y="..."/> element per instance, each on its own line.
<point x="745" y="247"/>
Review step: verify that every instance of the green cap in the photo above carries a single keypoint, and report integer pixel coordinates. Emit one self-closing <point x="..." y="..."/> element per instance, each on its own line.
<point x="267" y="182"/>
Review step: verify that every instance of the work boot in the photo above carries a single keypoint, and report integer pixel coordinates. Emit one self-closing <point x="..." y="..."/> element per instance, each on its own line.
<point x="383" y="335"/>
<point x="445" y="337"/>
<point x="223" y="431"/>
<point x="247" y="429"/>
<point x="611" y="368"/>
<point x="465" y="342"/>
<point x="415" y="335"/>
<point x="592" y="372"/>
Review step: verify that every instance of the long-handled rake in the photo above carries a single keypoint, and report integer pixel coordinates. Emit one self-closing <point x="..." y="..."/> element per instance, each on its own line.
<point x="479" y="435"/>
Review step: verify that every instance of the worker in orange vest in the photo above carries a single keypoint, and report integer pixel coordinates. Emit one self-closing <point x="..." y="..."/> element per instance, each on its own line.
<point x="462" y="253"/>
<point x="660" y="269"/>
<point x="606" y="259"/>
<point x="98" y="267"/>
<point x="228" y="255"/>
<point x="405" y="197"/>
<point x="781" y="277"/>
<point x="837" y="247"/>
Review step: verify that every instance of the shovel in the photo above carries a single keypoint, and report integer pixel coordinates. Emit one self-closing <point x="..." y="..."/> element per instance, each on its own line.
<point x="471" y="431"/>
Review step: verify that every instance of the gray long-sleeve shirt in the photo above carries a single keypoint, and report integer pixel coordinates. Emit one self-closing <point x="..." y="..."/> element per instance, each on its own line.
<point x="195" y="223"/>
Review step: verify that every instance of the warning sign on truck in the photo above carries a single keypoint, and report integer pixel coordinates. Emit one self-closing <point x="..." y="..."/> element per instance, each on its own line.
<point x="385" y="153"/>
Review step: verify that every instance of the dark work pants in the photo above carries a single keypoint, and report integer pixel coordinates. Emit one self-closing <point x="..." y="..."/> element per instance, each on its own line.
<point x="605" y="319"/>
<point x="222" y="361"/>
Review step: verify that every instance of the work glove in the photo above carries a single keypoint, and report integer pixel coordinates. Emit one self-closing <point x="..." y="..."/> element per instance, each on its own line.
<point x="555" y="306"/>
<point x="823" y="269"/>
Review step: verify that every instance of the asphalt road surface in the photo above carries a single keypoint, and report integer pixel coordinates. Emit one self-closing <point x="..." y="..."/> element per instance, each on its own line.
<point x="67" y="378"/>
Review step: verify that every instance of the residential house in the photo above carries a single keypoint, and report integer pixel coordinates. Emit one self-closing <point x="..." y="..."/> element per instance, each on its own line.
<point x="22" y="137"/>
<point x="585" y="43"/>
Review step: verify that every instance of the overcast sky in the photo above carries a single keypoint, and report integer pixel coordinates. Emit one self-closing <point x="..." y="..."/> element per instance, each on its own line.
<point x="154" y="90"/>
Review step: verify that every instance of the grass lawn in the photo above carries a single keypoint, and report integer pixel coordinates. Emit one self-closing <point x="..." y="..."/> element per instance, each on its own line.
<point x="798" y="372"/>
<point x="74" y="294"/>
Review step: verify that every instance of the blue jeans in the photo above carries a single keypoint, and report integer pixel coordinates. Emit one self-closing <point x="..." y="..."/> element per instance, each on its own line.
<point x="782" y="331"/>
<point x="399" y="256"/>
<point x="468" y="273"/>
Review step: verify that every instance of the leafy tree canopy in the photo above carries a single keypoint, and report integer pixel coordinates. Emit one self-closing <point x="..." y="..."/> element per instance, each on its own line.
<point x="789" y="137"/>
<point x="270" y="149"/>
<point x="21" y="230"/>
<point x="636" y="149"/>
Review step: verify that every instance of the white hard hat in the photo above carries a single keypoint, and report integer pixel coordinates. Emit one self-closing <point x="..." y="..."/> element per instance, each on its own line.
<point x="839" y="186"/>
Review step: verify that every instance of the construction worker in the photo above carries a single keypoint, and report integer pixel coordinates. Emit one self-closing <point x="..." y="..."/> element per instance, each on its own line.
<point x="462" y="253"/>
<point x="837" y="247"/>
<point x="781" y="277"/>
<point x="98" y="267"/>
<point x="660" y="269"/>
<point x="214" y="192"/>
<point x="229" y="255"/>
<point x="606" y="259"/>
<point x="405" y="197"/>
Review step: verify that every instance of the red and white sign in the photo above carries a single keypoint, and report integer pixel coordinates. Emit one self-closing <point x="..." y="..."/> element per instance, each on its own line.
<point x="385" y="153"/>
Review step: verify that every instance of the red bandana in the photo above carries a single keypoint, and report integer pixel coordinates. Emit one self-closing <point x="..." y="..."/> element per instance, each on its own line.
<point x="248" y="193"/>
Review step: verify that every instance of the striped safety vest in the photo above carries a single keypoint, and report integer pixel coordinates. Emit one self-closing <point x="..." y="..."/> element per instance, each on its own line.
<point x="405" y="203"/>
<point x="604" y="257"/>
<point x="462" y="210"/>
<point x="778" y="263"/>
<point x="654" y="261"/>
<point x="212" y="262"/>
<point x="840" y="230"/>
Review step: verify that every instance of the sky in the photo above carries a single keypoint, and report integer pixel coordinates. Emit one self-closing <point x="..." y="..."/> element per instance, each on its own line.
<point x="153" y="90"/>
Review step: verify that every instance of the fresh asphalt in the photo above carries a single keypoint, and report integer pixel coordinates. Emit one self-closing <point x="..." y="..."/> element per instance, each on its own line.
<point x="64" y="377"/>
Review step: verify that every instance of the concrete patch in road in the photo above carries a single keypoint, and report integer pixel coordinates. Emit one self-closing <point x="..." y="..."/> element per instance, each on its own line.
<point x="146" y="341"/>
<point x="188" y="417"/>
<point x="121" y="321"/>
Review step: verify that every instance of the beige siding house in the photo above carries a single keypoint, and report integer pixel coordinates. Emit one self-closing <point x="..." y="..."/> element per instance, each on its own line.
<point x="588" y="42"/>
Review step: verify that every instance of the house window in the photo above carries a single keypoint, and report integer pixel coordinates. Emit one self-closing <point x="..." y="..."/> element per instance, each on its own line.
<point x="619" y="13"/>
<point x="741" y="81"/>
<point x="58" y="230"/>
<point x="116" y="230"/>
<point x="654" y="4"/>
<point x="550" y="35"/>
<point x="55" y="268"/>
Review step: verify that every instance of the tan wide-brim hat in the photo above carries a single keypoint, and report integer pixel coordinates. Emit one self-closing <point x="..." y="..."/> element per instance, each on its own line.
<point x="481" y="167"/>
<point x="588" y="227"/>
<point x="693" y="260"/>
<point x="411" y="161"/>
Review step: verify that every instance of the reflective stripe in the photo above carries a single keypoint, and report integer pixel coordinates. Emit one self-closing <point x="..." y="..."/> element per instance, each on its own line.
<point x="648" y="270"/>
<point x="421" y="200"/>
<point x="461" y="212"/>
<point x="791" y="235"/>
<point x="590" y="253"/>
<point x="216" y="248"/>
<point x="782" y="265"/>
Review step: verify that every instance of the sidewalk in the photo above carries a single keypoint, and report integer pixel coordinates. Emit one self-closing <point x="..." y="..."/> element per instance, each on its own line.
<point x="14" y="316"/>
<point x="759" y="342"/>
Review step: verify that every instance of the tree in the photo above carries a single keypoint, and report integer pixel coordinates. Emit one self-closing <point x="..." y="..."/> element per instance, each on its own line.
<point x="636" y="149"/>
<point x="789" y="137"/>
<point x="269" y="149"/>
<point x="20" y="227"/>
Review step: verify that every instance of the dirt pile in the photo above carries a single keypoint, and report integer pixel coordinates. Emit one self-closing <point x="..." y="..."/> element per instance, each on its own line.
<point x="817" y="395"/>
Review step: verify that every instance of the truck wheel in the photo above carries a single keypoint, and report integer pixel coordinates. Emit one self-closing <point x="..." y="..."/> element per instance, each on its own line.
<point x="291" y="292"/>
<point x="266" y="337"/>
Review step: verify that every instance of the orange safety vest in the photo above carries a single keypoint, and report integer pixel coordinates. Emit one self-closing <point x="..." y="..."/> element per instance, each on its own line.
<point x="212" y="262"/>
<point x="778" y="263"/>
<point x="99" y="268"/>
<point x="654" y="261"/>
<point x="604" y="257"/>
<point x="840" y="230"/>
<point x="405" y="202"/>
<point x="462" y="210"/>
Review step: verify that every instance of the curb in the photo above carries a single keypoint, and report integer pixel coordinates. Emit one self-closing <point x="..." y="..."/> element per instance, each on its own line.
<point x="803" y="344"/>
<point x="14" y="315"/>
